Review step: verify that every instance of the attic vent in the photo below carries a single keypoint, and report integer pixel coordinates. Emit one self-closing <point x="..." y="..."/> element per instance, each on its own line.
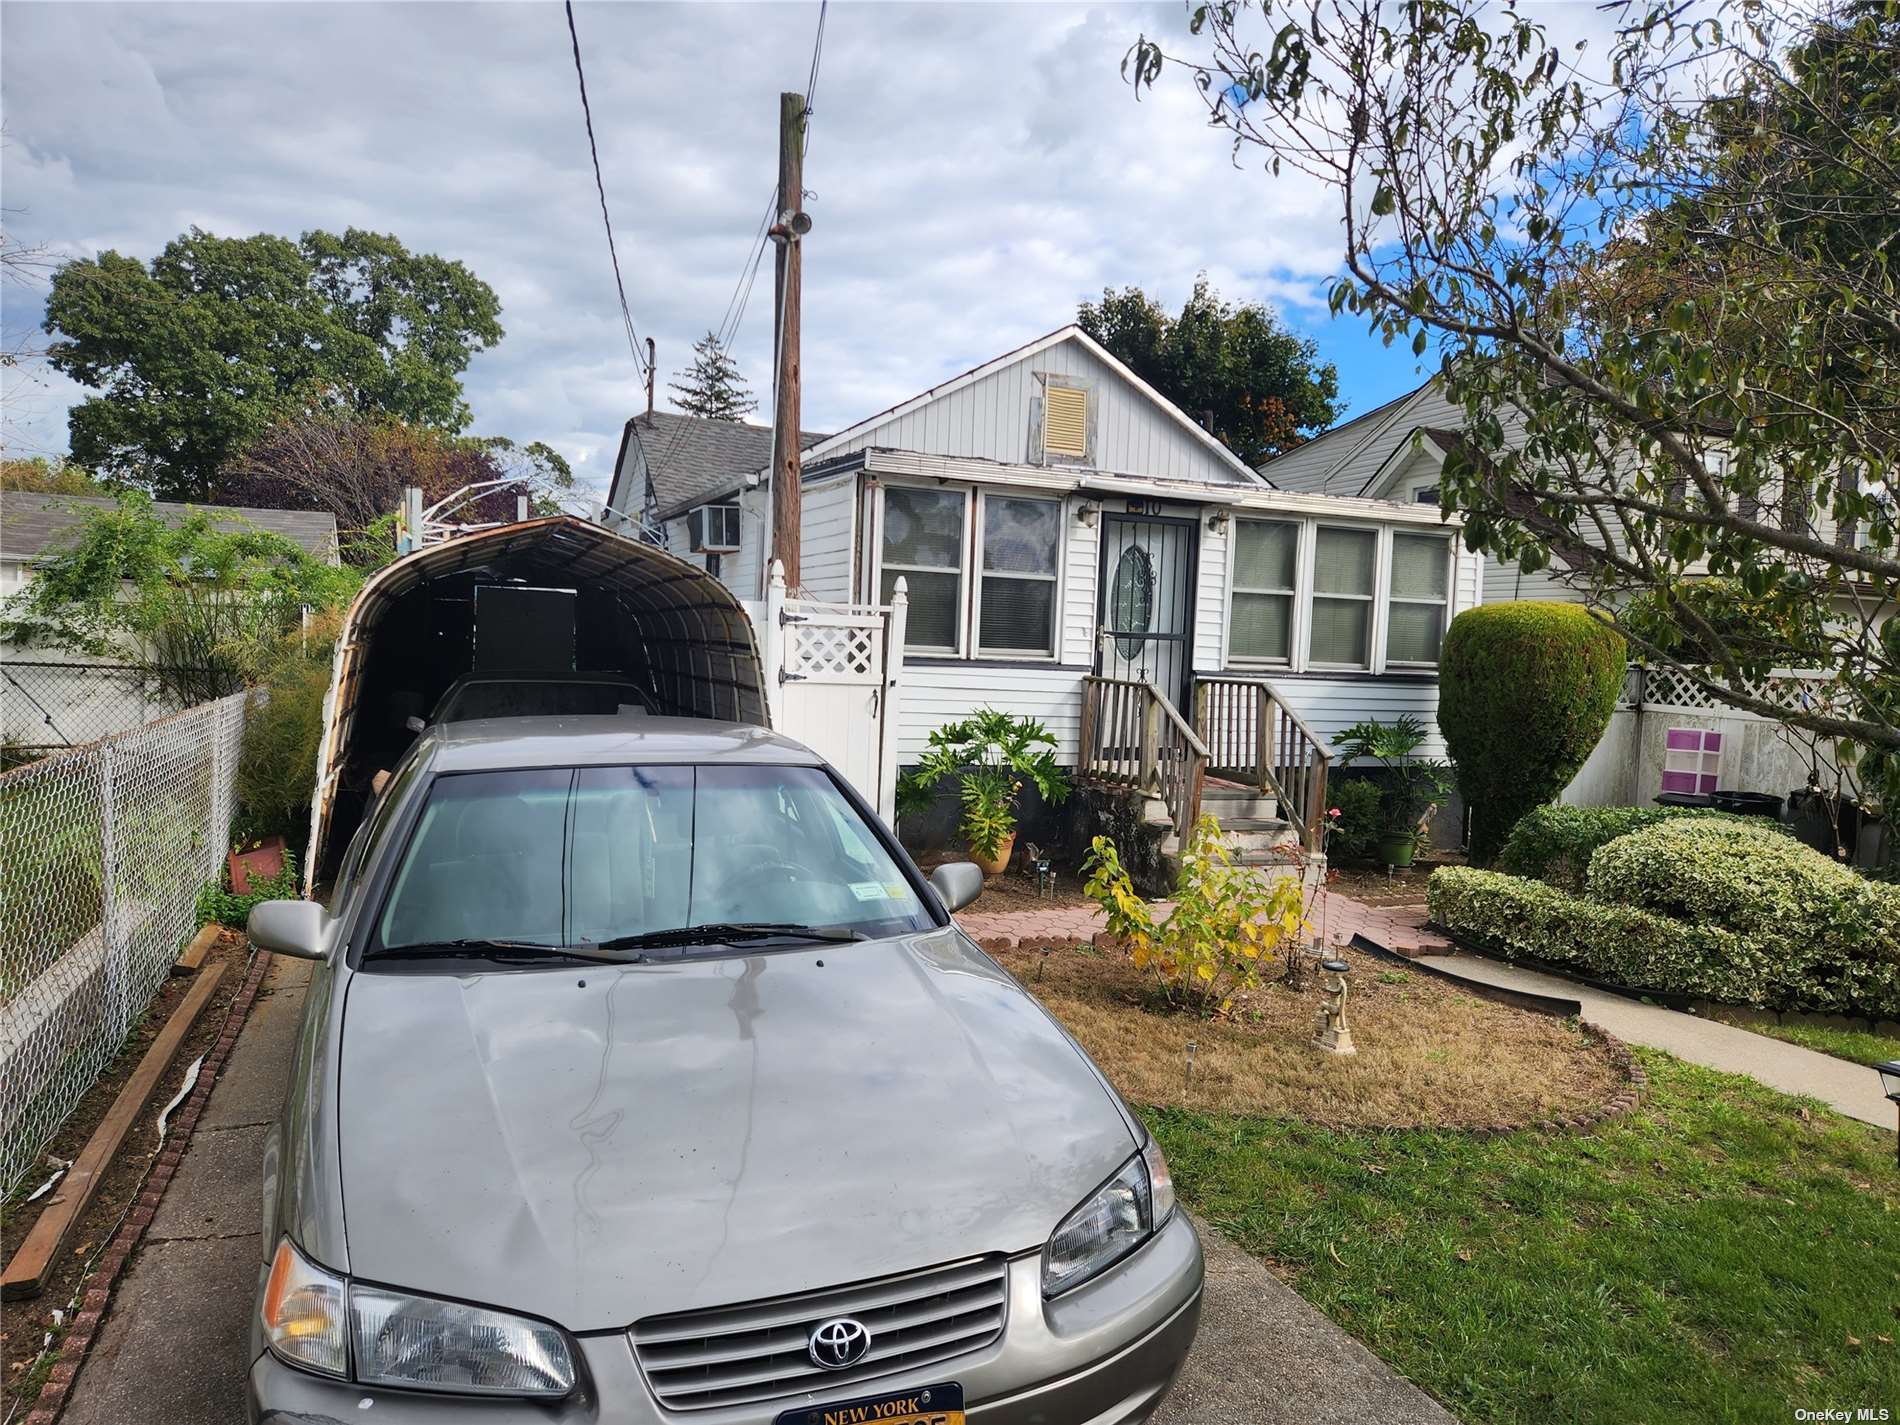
<point x="1065" y="422"/>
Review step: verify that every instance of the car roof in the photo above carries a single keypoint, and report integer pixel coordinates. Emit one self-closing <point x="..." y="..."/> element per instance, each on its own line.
<point x="497" y="743"/>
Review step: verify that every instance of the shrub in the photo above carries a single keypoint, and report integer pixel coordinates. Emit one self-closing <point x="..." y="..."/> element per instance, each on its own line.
<point x="1555" y="843"/>
<point x="1356" y="828"/>
<point x="1525" y="692"/>
<point x="277" y="765"/>
<point x="994" y="752"/>
<point x="1226" y="920"/>
<point x="217" y="901"/>
<point x="1723" y="873"/>
<point x="1413" y="785"/>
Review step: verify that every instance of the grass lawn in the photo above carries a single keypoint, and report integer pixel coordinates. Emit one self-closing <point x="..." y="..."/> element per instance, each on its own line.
<point x="1724" y="1254"/>
<point x="1854" y="1044"/>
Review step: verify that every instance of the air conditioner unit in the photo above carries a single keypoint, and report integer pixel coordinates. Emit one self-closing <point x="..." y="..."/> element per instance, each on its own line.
<point x="713" y="529"/>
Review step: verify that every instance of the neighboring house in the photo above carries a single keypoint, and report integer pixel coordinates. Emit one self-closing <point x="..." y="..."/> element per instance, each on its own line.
<point x="51" y="697"/>
<point x="697" y="487"/>
<point x="1054" y="516"/>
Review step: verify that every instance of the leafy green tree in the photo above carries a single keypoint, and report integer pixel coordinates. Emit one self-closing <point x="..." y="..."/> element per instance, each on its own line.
<point x="712" y="387"/>
<point x="1263" y="386"/>
<point x="38" y="475"/>
<point x="199" y="605"/>
<point x="1661" y="282"/>
<point x="219" y="338"/>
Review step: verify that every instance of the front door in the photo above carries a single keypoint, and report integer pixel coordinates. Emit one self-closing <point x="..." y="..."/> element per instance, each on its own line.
<point x="1145" y="622"/>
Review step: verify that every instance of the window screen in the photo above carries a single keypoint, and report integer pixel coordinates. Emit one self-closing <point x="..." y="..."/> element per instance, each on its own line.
<point x="923" y="544"/>
<point x="1421" y="574"/>
<point x="1021" y="539"/>
<point x="1260" y="614"/>
<point x="1342" y="597"/>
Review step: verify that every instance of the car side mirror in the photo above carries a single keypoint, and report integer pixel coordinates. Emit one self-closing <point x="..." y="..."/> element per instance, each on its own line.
<point x="288" y="928"/>
<point x="412" y="723"/>
<point x="957" y="883"/>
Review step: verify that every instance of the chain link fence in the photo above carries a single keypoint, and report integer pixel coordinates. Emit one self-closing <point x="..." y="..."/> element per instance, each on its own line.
<point x="48" y="706"/>
<point x="102" y="853"/>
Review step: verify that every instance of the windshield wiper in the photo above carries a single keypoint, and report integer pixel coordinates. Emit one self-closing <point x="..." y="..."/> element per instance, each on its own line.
<point x="507" y="952"/>
<point x="722" y="933"/>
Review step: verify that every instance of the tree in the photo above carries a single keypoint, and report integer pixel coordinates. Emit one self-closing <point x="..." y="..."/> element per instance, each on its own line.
<point x="1262" y="385"/>
<point x="199" y="354"/>
<point x="357" y="468"/>
<point x="711" y="387"/>
<point x="197" y="605"/>
<point x="39" y="475"/>
<point x="1664" y="293"/>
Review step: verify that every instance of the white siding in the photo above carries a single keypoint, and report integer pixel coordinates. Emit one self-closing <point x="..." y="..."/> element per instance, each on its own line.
<point x="825" y="538"/>
<point x="934" y="694"/>
<point x="1210" y="601"/>
<point x="1330" y="704"/>
<point x="738" y="572"/>
<point x="1076" y="634"/>
<point x="991" y="419"/>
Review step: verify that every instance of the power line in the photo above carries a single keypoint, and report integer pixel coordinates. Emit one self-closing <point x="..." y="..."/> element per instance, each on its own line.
<point x="626" y="312"/>
<point x="817" y="53"/>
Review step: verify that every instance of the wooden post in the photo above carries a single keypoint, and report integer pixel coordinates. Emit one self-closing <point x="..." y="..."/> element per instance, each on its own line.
<point x="1262" y="738"/>
<point x="1150" y="740"/>
<point x="786" y="416"/>
<point x="651" y="358"/>
<point x="1085" y="753"/>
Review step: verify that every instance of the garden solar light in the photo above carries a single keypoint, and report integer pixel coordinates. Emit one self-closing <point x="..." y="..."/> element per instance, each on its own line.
<point x="1890" y="1085"/>
<point x="1334" y="1036"/>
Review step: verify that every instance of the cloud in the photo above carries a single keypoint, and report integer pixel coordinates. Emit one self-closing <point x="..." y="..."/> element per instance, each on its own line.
<point x="975" y="170"/>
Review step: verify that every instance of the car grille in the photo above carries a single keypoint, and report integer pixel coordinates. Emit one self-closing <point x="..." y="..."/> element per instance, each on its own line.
<point x="736" y="1355"/>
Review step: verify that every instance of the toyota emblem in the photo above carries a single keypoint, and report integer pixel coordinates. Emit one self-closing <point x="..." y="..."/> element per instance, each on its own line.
<point x="838" y="1343"/>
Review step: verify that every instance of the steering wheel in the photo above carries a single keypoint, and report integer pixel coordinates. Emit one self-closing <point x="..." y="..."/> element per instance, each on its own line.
<point x="758" y="858"/>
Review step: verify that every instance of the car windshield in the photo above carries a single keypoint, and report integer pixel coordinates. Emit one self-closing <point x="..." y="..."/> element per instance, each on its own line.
<point x="580" y="857"/>
<point x="505" y="698"/>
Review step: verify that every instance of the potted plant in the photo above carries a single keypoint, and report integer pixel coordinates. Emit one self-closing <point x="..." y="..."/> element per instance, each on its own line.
<point x="994" y="753"/>
<point x="1413" y="784"/>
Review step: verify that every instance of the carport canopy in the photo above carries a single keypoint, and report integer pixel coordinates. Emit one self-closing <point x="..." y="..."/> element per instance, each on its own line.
<point x="412" y="630"/>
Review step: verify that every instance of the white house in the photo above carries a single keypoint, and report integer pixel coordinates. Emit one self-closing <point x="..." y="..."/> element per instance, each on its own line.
<point x="1057" y="521"/>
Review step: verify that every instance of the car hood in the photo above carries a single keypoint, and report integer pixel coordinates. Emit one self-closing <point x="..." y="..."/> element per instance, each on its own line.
<point x="599" y="1144"/>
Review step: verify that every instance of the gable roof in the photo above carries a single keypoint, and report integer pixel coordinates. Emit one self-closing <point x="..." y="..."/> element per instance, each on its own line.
<point x="1071" y="332"/>
<point x="33" y="524"/>
<point x="1312" y="466"/>
<point x="691" y="459"/>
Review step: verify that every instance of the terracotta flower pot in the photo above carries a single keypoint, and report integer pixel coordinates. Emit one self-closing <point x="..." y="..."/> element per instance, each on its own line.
<point x="997" y="864"/>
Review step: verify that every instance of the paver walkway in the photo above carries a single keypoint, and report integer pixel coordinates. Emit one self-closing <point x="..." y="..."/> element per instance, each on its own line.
<point x="173" y="1347"/>
<point x="1397" y="927"/>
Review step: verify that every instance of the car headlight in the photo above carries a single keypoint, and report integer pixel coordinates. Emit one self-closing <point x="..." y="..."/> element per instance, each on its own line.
<point x="444" y="1345"/>
<point x="1115" y="1219"/>
<point x="312" y="1317"/>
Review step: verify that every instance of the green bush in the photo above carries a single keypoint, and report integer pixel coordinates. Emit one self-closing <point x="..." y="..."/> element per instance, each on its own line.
<point x="217" y="901"/>
<point x="1727" y="873"/>
<point x="1356" y="828"/>
<point x="1525" y="692"/>
<point x="1555" y="843"/>
<point x="277" y="766"/>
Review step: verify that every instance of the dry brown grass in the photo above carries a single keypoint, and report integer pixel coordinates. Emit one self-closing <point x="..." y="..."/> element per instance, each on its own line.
<point x="1429" y="1054"/>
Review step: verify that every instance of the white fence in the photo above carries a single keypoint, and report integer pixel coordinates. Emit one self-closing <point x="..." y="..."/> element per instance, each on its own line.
<point x="1669" y="732"/>
<point x="102" y="853"/>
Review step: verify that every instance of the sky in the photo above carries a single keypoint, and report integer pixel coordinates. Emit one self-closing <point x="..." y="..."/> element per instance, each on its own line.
<point x="974" y="171"/>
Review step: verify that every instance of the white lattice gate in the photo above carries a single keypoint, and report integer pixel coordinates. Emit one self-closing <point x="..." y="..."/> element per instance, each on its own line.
<point x="831" y="674"/>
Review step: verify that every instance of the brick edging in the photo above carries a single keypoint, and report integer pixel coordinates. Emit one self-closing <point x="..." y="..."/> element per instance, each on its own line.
<point x="95" y="1291"/>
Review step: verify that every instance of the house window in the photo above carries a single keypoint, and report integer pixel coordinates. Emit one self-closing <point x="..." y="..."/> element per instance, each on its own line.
<point x="923" y="545"/>
<point x="1260" y="616"/>
<point x="1016" y="596"/>
<point x="713" y="529"/>
<point x="1065" y="422"/>
<point x="1420" y="585"/>
<point x="1692" y="760"/>
<point x="1425" y="494"/>
<point x="1343" y="567"/>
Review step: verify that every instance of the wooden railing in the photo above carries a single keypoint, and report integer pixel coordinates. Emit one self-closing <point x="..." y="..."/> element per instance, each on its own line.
<point x="1253" y="737"/>
<point x="1133" y="736"/>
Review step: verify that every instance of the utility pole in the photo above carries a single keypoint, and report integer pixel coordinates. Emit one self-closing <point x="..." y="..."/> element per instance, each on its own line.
<point x="791" y="225"/>
<point x="652" y="356"/>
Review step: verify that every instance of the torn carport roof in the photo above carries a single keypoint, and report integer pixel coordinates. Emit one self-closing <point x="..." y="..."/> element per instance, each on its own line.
<point x="411" y="631"/>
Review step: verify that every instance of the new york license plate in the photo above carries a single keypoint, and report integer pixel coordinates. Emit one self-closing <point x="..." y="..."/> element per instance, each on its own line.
<point x="930" y="1405"/>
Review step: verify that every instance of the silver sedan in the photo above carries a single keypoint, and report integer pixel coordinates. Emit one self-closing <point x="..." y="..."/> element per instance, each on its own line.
<point x="644" y="1078"/>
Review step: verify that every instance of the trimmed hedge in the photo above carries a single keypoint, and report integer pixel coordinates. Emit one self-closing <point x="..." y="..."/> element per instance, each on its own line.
<point x="1717" y="872"/>
<point x="1525" y="690"/>
<point x="1555" y="843"/>
<point x="1842" y="958"/>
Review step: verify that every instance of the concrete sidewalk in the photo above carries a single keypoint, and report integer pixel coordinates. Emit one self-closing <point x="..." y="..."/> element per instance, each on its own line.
<point x="173" y="1345"/>
<point x="1847" y="1088"/>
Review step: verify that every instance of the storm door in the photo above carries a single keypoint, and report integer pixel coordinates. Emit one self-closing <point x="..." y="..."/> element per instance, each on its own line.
<point x="1146" y="617"/>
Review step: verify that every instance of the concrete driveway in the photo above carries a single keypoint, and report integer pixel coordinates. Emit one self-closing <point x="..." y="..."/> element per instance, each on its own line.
<point x="172" y="1348"/>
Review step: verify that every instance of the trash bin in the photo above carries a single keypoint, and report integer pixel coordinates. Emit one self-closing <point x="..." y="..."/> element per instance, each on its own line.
<point x="1685" y="799"/>
<point x="1748" y="803"/>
